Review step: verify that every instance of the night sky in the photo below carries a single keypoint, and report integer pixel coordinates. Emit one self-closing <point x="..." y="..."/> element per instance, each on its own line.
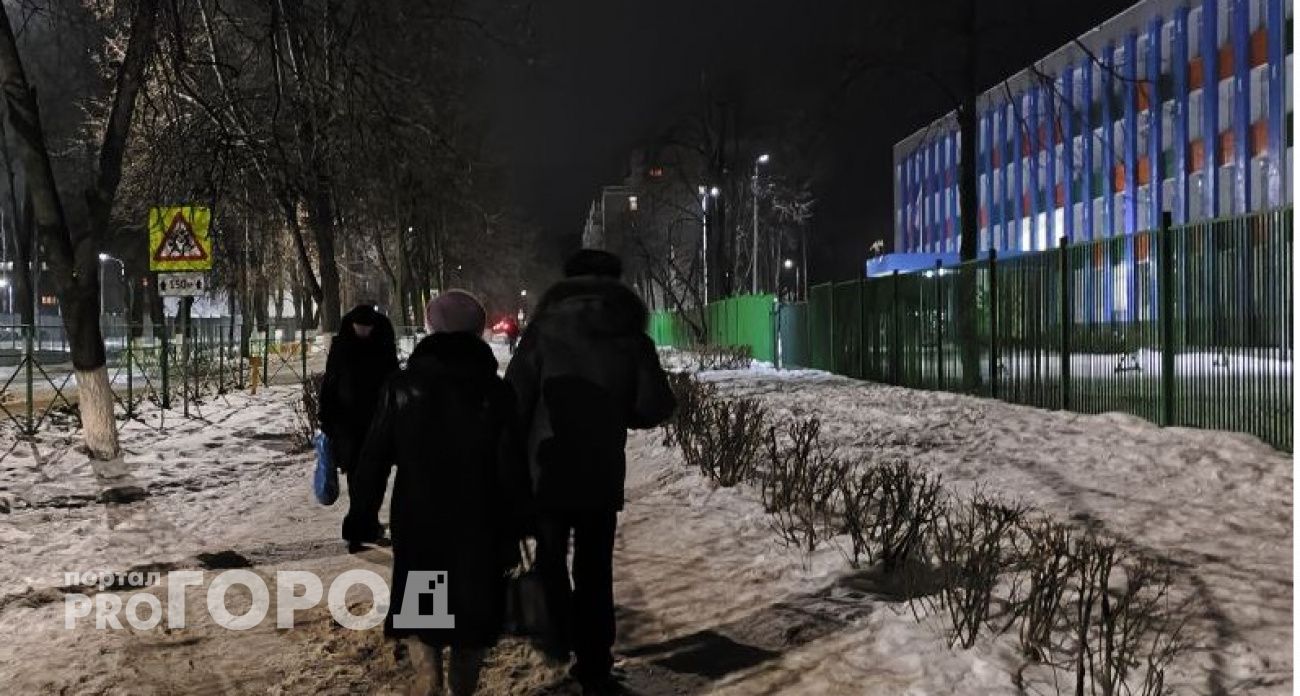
<point x="602" y="76"/>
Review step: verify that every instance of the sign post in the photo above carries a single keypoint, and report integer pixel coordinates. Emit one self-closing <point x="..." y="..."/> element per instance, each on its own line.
<point x="180" y="251"/>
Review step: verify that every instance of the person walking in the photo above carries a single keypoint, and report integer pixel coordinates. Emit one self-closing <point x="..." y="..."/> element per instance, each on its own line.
<point x="584" y="373"/>
<point x="361" y="358"/>
<point x="447" y="422"/>
<point x="512" y="333"/>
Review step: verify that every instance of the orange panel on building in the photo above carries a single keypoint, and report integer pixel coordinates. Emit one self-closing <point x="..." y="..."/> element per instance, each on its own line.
<point x="1196" y="162"/>
<point x="1259" y="137"/>
<point x="1141" y="247"/>
<point x="1195" y="73"/>
<point x="1258" y="48"/>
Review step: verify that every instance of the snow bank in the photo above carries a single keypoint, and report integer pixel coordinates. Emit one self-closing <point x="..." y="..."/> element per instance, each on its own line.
<point x="1217" y="504"/>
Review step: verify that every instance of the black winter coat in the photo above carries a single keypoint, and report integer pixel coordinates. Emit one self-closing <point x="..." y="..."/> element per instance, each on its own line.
<point x="355" y="372"/>
<point x="584" y="373"/>
<point x="447" y="423"/>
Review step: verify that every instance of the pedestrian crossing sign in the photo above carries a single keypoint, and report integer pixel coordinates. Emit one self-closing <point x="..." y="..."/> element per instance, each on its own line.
<point x="179" y="239"/>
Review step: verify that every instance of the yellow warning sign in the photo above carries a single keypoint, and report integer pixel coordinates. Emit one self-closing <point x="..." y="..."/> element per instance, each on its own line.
<point x="179" y="239"/>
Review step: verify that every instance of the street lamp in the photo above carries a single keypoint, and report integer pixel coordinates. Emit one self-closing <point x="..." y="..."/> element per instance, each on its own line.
<point x="704" y="237"/>
<point x="121" y="264"/>
<point x="789" y="265"/>
<point x="753" y="258"/>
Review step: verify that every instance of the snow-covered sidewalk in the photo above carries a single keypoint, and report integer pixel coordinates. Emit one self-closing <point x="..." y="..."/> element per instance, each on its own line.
<point x="709" y="601"/>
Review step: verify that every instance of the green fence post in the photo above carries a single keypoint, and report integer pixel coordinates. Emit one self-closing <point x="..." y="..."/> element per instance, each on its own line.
<point x="993" y="322"/>
<point x="164" y="362"/>
<point x="242" y="382"/>
<point x="862" y="328"/>
<point x="938" y="319"/>
<point x="833" y="348"/>
<point x="221" y="360"/>
<point x="31" y="357"/>
<point x="1066" y="316"/>
<point x="807" y="333"/>
<point x="302" y="348"/>
<point x="266" y="354"/>
<point x="187" y="354"/>
<point x="1164" y="286"/>
<point x="130" y="373"/>
<point x="896" y="342"/>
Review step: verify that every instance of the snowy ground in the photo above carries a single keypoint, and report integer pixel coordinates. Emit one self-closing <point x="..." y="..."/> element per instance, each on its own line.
<point x="709" y="601"/>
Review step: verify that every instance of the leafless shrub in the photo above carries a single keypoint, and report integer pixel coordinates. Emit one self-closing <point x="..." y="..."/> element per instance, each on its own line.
<point x="1124" y="631"/>
<point x="859" y="499"/>
<point x="971" y="543"/>
<point x="306" y="411"/>
<point x="725" y="440"/>
<point x="714" y="357"/>
<point x="908" y="501"/>
<point x="1046" y="565"/>
<point x="800" y="485"/>
<point x="692" y="395"/>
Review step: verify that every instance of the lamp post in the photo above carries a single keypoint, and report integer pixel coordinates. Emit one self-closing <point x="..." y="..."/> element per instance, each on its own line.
<point x="753" y="257"/>
<point x="122" y="268"/>
<point x="790" y="265"/>
<point x="122" y="271"/>
<point x="705" y="194"/>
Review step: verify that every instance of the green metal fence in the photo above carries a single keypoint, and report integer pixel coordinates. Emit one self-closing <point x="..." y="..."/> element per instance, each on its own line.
<point x="748" y="320"/>
<point x="793" y="340"/>
<point x="1188" y="326"/>
<point x="176" y="368"/>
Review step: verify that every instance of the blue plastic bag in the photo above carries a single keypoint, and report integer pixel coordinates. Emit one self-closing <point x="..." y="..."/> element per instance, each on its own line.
<point x="325" y="484"/>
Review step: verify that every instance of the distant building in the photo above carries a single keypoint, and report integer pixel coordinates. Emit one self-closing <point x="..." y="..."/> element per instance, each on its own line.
<point x="652" y="220"/>
<point x="1173" y="105"/>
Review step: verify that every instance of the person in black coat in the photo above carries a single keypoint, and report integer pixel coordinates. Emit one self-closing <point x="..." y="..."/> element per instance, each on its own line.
<point x="585" y="372"/>
<point x="447" y="422"/>
<point x="361" y="357"/>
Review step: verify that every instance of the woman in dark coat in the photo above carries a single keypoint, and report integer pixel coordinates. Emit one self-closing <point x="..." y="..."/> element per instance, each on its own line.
<point x="361" y="358"/>
<point x="447" y="422"/>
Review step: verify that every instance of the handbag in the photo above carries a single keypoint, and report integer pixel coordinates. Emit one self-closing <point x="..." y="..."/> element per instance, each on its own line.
<point x="527" y="614"/>
<point x="654" y="401"/>
<point x="325" y="482"/>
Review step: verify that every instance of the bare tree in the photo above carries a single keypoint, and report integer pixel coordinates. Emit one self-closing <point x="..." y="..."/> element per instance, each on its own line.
<point x="70" y="248"/>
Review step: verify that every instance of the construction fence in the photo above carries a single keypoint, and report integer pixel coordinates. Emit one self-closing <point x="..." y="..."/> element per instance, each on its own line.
<point x="1187" y="326"/>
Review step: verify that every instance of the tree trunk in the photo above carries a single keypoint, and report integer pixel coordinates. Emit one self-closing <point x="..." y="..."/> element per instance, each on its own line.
<point x="99" y="430"/>
<point x="440" y="240"/>
<point x="320" y="218"/>
<point x="74" y="261"/>
<point x="24" y="241"/>
<point x="968" y="125"/>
